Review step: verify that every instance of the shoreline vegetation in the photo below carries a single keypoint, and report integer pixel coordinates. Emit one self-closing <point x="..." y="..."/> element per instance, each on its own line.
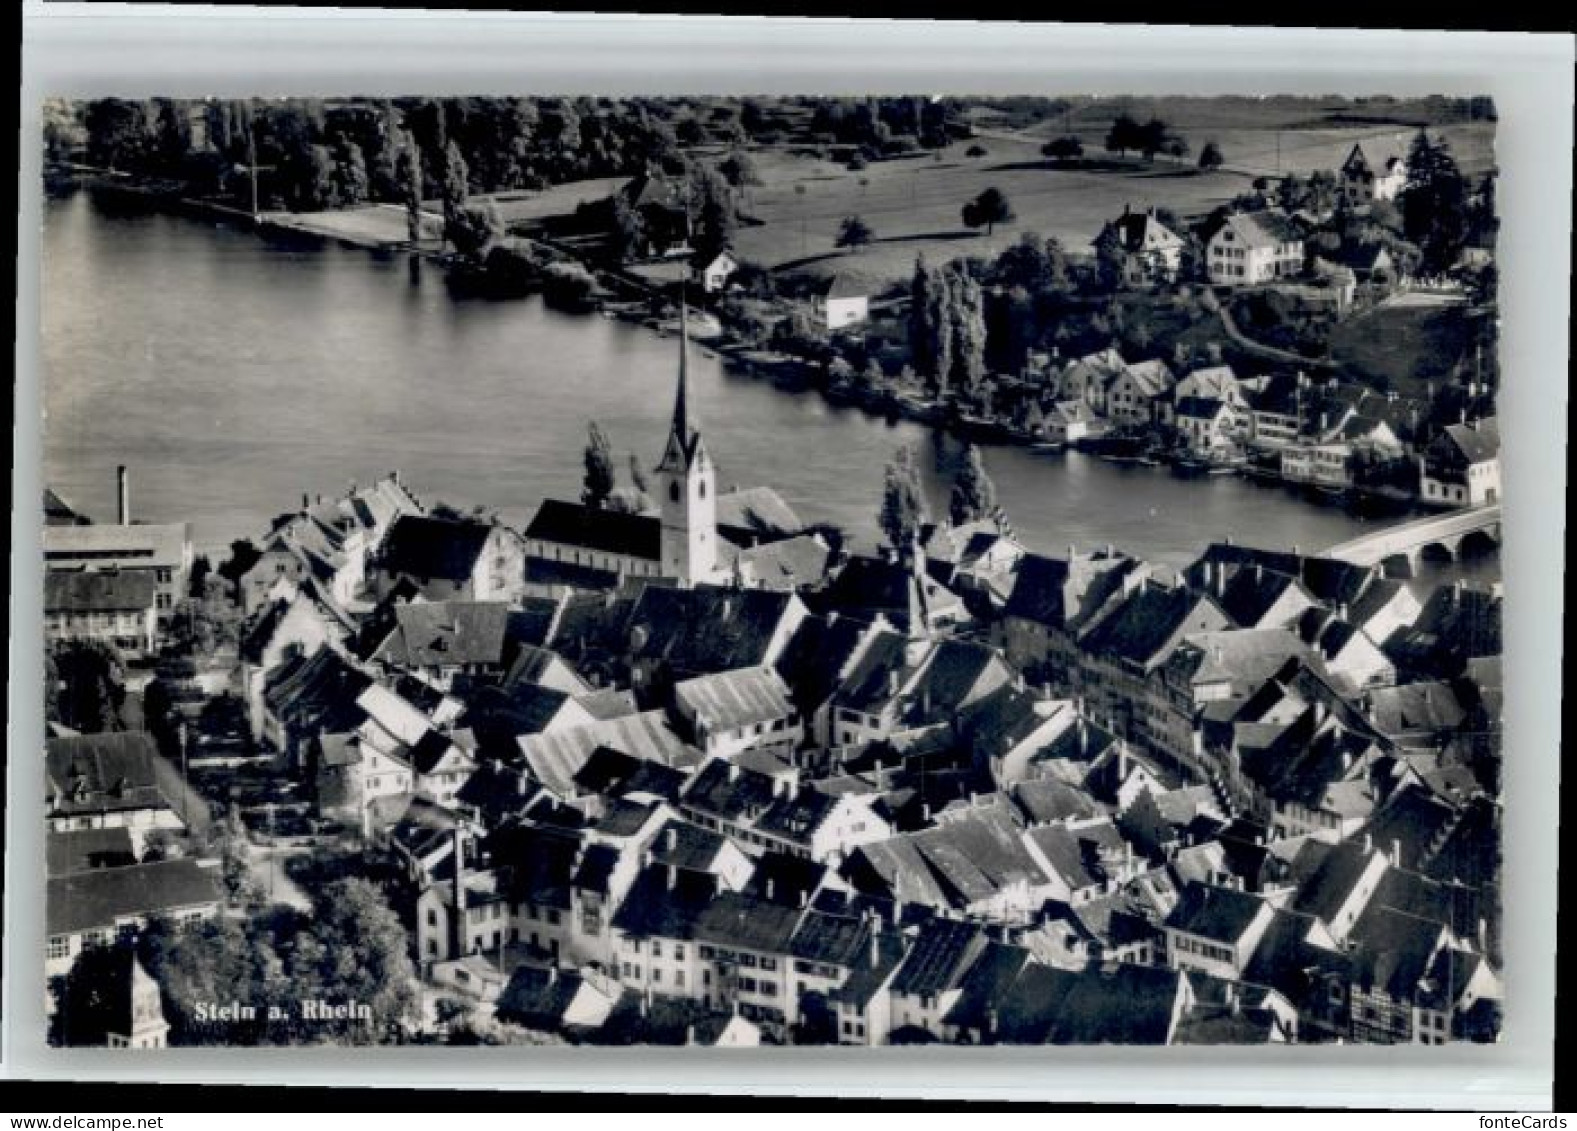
<point x="979" y="347"/>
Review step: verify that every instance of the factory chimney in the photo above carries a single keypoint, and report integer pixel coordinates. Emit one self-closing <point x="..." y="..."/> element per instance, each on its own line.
<point x="123" y="496"/>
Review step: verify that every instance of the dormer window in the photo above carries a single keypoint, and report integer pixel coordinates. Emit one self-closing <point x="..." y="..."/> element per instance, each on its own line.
<point x="673" y="491"/>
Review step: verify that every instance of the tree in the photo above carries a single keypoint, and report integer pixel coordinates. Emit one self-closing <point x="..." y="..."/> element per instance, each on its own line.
<point x="638" y="476"/>
<point x="1063" y="149"/>
<point x="974" y="496"/>
<point x="1210" y="157"/>
<point x="1111" y="259"/>
<point x="1435" y="203"/>
<point x="201" y="568"/>
<point x="854" y="233"/>
<point x="410" y="164"/>
<point x="84" y="686"/>
<point x="351" y="182"/>
<point x="903" y="501"/>
<point x="366" y="954"/>
<point x="474" y="228"/>
<point x="455" y="186"/>
<point x="739" y="169"/>
<point x="1156" y="136"/>
<point x="1125" y="135"/>
<point x="626" y="231"/>
<point x="599" y="480"/>
<point x="990" y="208"/>
<point x="922" y="323"/>
<point x="714" y="215"/>
<point x="976" y="151"/>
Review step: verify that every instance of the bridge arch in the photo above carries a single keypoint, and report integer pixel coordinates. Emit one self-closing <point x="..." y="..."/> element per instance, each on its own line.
<point x="1441" y="553"/>
<point x="1479" y="543"/>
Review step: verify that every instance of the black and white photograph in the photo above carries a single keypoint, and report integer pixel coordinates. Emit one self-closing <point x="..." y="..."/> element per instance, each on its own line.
<point x="795" y="569"/>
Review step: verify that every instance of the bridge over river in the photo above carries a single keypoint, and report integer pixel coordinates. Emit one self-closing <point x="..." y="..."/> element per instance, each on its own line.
<point x="1446" y="537"/>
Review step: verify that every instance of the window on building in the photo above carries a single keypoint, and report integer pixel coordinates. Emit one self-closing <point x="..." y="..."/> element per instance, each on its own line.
<point x="59" y="946"/>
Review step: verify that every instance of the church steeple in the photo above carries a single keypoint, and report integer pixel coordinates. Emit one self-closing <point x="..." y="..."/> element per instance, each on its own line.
<point x="686" y="480"/>
<point x="684" y="434"/>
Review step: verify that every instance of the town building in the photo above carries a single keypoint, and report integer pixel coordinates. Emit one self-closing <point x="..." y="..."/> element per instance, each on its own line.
<point x="1461" y="467"/>
<point x="841" y="300"/>
<point x="1152" y="252"/>
<point x="1247" y="248"/>
<point x="1372" y="172"/>
<point x="109" y="606"/>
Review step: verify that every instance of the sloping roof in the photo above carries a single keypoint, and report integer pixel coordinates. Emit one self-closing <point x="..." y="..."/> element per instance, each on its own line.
<point x="594" y="528"/>
<point x="787" y="564"/>
<point x="555" y="758"/>
<point x="155" y="545"/>
<point x="1221" y="914"/>
<point x="317" y="692"/>
<point x="1200" y="408"/>
<point x="446" y="633"/>
<point x="735" y="919"/>
<point x="86" y="900"/>
<point x="846" y="284"/>
<point x="986" y="986"/>
<point x="1259" y="229"/>
<point x="969" y="858"/>
<point x="79" y="850"/>
<point x="98" y="591"/>
<point x="1244" y="656"/>
<point x="1477" y="443"/>
<point x="1065" y="592"/>
<point x="103" y="772"/>
<point x="428" y="547"/>
<point x="729" y="700"/>
<point x="538" y="997"/>
<point x="1151" y="378"/>
<point x="705" y="629"/>
<point x="758" y="509"/>
<point x="942" y="954"/>
<point x="738" y="794"/>
<point x="58" y="512"/>
<point x="1143" y="625"/>
<point x="1216" y="383"/>
<point x="1141" y="231"/>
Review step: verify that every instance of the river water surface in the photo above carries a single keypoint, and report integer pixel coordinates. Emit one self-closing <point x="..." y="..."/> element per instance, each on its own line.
<point x="232" y="375"/>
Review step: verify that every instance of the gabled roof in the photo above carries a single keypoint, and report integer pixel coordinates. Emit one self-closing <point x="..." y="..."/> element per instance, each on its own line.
<point x="1258" y="229"/>
<point x="556" y="757"/>
<point x="758" y="510"/>
<point x="1200" y="408"/>
<point x="596" y="528"/>
<point x="706" y="629"/>
<point x="162" y="546"/>
<point x="735" y="919"/>
<point x="427" y="547"/>
<point x="99" y="898"/>
<point x="1472" y="443"/>
<point x="1141" y="231"/>
<point x="1066" y="592"/>
<point x="98" y="591"/>
<point x="1142" y="629"/>
<point x="942" y="954"/>
<point x="726" y="701"/>
<point x="969" y="858"/>
<point x="730" y="792"/>
<point x="1151" y="378"/>
<point x="1220" y="914"/>
<point x="446" y="634"/>
<point x="986" y="986"/>
<point x="80" y="850"/>
<point x="103" y="772"/>
<point x="317" y="692"/>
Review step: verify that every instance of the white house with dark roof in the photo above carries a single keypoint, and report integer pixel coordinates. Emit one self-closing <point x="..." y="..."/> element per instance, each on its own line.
<point x="449" y="559"/>
<point x="106" y="781"/>
<point x="1254" y="247"/>
<point x="1153" y="251"/>
<point x="842" y="300"/>
<point x="731" y="711"/>
<point x="1461" y="467"/>
<point x="1141" y="392"/>
<point x="1373" y="171"/>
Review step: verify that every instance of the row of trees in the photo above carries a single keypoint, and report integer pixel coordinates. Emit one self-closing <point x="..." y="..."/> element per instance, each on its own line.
<point x="904" y="511"/>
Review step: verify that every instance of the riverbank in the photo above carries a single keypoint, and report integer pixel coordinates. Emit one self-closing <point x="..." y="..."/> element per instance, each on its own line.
<point x="626" y="298"/>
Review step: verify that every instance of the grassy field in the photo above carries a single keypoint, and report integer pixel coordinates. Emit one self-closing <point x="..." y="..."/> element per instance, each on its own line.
<point x="914" y="205"/>
<point x="1406" y="345"/>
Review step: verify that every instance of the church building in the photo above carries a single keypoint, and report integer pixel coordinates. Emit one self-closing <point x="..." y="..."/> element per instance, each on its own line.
<point x="690" y="536"/>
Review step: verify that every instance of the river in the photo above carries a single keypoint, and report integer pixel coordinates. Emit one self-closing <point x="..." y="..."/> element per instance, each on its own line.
<point x="232" y="375"/>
